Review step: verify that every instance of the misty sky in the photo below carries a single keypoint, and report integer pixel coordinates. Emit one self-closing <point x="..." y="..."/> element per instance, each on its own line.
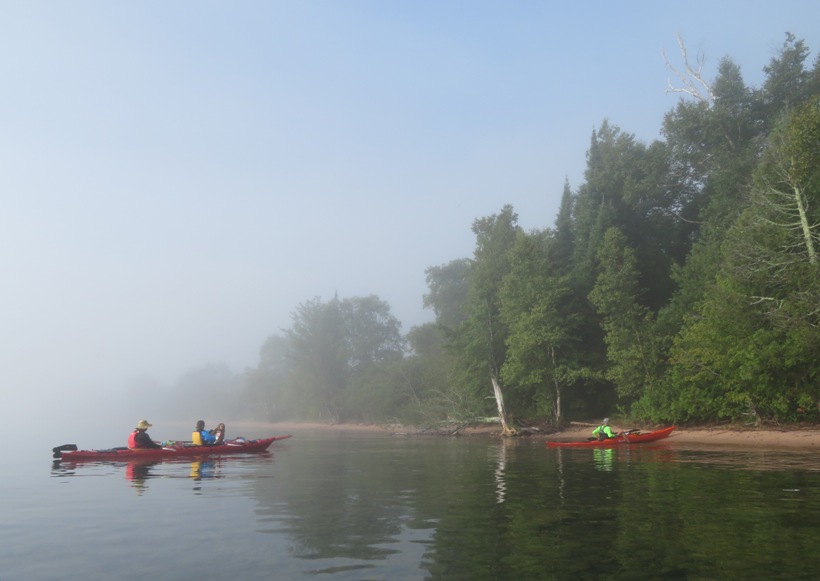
<point x="177" y="176"/>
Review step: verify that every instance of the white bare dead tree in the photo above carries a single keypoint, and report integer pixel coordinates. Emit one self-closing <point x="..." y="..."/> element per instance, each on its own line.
<point x="691" y="77"/>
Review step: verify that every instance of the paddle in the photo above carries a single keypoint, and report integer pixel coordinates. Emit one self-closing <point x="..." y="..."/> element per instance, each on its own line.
<point x="58" y="450"/>
<point x="626" y="433"/>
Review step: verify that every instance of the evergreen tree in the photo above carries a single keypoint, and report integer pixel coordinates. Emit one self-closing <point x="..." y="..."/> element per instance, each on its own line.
<point x="562" y="247"/>
<point x="788" y="83"/>
<point x="752" y="350"/>
<point x="632" y="349"/>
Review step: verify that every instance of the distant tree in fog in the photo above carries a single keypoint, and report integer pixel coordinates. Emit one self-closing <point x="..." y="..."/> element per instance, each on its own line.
<point x="266" y="384"/>
<point x="210" y="392"/>
<point x="304" y="374"/>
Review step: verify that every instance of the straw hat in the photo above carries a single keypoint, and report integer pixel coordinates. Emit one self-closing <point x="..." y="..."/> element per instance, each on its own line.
<point x="143" y="425"/>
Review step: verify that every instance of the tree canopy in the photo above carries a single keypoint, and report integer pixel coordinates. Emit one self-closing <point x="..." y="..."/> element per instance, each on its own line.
<point x="679" y="283"/>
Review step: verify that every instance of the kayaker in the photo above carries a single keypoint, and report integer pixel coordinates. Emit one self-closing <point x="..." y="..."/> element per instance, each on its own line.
<point x="603" y="431"/>
<point x="139" y="438"/>
<point x="201" y="436"/>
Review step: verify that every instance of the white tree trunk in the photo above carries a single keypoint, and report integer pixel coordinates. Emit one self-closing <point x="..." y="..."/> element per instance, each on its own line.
<point x="499" y="402"/>
<point x="557" y="389"/>
<point x="805" y="226"/>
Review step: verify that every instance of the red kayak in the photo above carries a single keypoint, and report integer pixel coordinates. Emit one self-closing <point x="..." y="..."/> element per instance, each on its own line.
<point x="622" y="440"/>
<point x="69" y="452"/>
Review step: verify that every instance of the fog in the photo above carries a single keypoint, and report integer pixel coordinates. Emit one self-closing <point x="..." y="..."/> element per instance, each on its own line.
<point x="176" y="178"/>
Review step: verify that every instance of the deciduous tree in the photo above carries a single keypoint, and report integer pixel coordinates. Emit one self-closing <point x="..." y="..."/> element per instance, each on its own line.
<point x="481" y="337"/>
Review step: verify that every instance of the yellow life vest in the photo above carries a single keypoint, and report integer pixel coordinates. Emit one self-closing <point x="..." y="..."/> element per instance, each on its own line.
<point x="196" y="438"/>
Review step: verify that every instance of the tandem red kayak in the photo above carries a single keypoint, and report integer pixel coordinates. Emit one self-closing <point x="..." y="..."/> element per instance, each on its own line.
<point x="69" y="452"/>
<point x="622" y="440"/>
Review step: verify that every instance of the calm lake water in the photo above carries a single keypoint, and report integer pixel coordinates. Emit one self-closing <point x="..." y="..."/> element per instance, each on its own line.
<point x="341" y="506"/>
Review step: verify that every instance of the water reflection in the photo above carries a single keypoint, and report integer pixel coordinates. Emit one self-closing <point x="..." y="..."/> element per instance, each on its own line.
<point x="357" y="508"/>
<point x="746" y="459"/>
<point x="501" y="462"/>
<point x="203" y="469"/>
<point x="138" y="473"/>
<point x="603" y="458"/>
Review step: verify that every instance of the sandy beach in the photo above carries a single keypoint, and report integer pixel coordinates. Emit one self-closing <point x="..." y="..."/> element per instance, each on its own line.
<point x="796" y="438"/>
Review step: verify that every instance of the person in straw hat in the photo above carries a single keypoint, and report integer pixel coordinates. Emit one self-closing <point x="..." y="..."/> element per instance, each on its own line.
<point x="139" y="438"/>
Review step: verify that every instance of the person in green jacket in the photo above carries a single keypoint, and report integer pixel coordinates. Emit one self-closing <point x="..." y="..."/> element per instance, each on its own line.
<point x="603" y="431"/>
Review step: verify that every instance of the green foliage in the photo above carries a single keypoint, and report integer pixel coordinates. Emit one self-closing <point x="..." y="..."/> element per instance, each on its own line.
<point x="266" y="385"/>
<point x="632" y="349"/>
<point x="427" y="339"/>
<point x="306" y="374"/>
<point x="372" y="333"/>
<point x="481" y="337"/>
<point x="320" y="351"/>
<point x="449" y="285"/>
<point x="680" y="284"/>
<point x="788" y="83"/>
<point x="437" y="388"/>
<point x="731" y="363"/>
<point x="746" y="348"/>
<point x="713" y="149"/>
<point x="537" y="307"/>
<point x="375" y="395"/>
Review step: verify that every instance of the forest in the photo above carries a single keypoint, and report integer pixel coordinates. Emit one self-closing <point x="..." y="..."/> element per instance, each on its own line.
<point x="680" y="282"/>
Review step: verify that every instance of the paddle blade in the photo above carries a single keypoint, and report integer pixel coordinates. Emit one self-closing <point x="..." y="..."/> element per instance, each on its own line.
<point x="58" y="450"/>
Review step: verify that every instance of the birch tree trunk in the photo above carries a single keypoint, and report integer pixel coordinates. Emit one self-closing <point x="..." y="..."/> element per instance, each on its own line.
<point x="557" y="388"/>
<point x="806" y="228"/>
<point x="506" y="430"/>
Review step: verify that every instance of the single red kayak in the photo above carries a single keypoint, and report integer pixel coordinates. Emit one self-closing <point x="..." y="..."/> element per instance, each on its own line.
<point x="622" y="440"/>
<point x="69" y="452"/>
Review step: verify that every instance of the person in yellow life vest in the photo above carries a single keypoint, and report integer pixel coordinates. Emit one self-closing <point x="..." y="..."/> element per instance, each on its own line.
<point x="202" y="437"/>
<point x="604" y="432"/>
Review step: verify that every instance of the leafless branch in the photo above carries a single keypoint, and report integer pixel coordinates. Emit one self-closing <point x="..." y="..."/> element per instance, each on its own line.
<point x="693" y="83"/>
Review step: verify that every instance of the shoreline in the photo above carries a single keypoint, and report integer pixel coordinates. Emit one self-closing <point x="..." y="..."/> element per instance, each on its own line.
<point x="794" y="438"/>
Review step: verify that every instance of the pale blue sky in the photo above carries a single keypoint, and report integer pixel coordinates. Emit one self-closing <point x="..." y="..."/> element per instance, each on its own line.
<point x="176" y="177"/>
